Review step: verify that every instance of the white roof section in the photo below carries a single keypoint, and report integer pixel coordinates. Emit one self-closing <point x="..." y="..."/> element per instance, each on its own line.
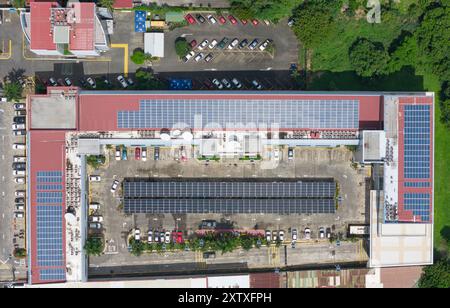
<point x="374" y="146"/>
<point x="154" y="44"/>
<point x="397" y="244"/>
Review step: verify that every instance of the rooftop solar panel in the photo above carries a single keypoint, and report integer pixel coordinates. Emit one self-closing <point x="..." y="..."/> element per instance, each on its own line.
<point x="238" y="113"/>
<point x="230" y="206"/>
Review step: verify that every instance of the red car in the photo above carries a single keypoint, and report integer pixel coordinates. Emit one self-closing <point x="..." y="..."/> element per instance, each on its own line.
<point x="137" y="154"/>
<point x="222" y="20"/>
<point x="232" y="20"/>
<point x="190" y="19"/>
<point x="255" y="22"/>
<point x="244" y="21"/>
<point x="193" y="43"/>
<point x="177" y="237"/>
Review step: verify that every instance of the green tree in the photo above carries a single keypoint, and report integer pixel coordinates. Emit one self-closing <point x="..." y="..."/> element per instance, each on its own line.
<point x="20" y="253"/>
<point x="368" y="58"/>
<point x="264" y="9"/>
<point x="137" y="247"/>
<point x="140" y="57"/>
<point x="436" y="275"/>
<point x="94" y="246"/>
<point x="181" y="47"/>
<point x="432" y="38"/>
<point x="313" y="21"/>
<point x="13" y="91"/>
<point x="95" y="161"/>
<point x="107" y="3"/>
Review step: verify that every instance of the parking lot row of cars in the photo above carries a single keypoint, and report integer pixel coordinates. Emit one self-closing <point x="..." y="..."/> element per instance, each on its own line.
<point x="89" y="82"/>
<point x="224" y="45"/>
<point x="221" y="20"/>
<point x="156" y="236"/>
<point x="275" y="236"/>
<point x="234" y="83"/>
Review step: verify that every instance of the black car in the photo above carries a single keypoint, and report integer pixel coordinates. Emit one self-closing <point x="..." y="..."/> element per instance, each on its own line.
<point x="156" y="155"/>
<point x="83" y="83"/>
<point x="253" y="44"/>
<point x="223" y="42"/>
<point x="19" y="166"/>
<point x="200" y="18"/>
<point x="243" y="44"/>
<point x="209" y="255"/>
<point x="209" y="57"/>
<point x="19" y="200"/>
<point x="208" y="84"/>
<point x="19" y="120"/>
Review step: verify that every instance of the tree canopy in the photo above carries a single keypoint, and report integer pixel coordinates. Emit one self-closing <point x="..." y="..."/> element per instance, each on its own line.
<point x="436" y="275"/>
<point x="368" y="58"/>
<point x="140" y="57"/>
<point x="12" y="91"/>
<point x="94" y="246"/>
<point x="264" y="9"/>
<point x="181" y="47"/>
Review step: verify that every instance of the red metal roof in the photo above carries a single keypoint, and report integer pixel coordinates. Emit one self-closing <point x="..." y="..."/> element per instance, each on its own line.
<point x="83" y="32"/>
<point x="40" y="29"/>
<point x="123" y="4"/>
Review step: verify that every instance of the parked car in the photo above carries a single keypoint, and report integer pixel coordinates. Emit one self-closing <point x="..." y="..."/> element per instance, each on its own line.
<point x="19" y="159"/>
<point x="19" y="146"/>
<point x="193" y="43"/>
<point x="257" y="85"/>
<point x="190" y="19"/>
<point x="97" y="218"/>
<point x="328" y="231"/>
<point x="307" y="233"/>
<point x="124" y="153"/>
<point x="208" y="84"/>
<point x="223" y="42"/>
<point x="156" y="235"/>
<point x="243" y="44"/>
<point x="95" y="225"/>
<point x="212" y="44"/>
<point x="19" y="193"/>
<point x="130" y="82"/>
<point x="233" y="44"/>
<point x="294" y="235"/>
<point x="211" y="19"/>
<point x="68" y="82"/>
<point x="94" y="206"/>
<point x="19" y="106"/>
<point x="122" y="81"/>
<point x="150" y="236"/>
<point x="203" y="44"/>
<point x="209" y="57"/>
<point x="199" y="57"/>
<point x="18" y="214"/>
<point x="253" y="44"/>
<point x="20" y="113"/>
<point x="19" y="180"/>
<point x="137" y="153"/>
<point x="20" y="207"/>
<point x="276" y="154"/>
<point x="274" y="236"/>
<point x="144" y="154"/>
<point x="222" y="20"/>
<point x="232" y="19"/>
<point x="209" y="255"/>
<point x="255" y="22"/>
<point x="167" y="237"/>
<point x="217" y="83"/>
<point x="244" y="21"/>
<point x="266" y="22"/>
<point x="281" y="235"/>
<point x="19" y="120"/>
<point x="94" y="178"/>
<point x="290" y="153"/>
<point x="200" y="18"/>
<point x="264" y="45"/>
<point x="19" y="166"/>
<point x="226" y="83"/>
<point x="91" y="82"/>
<point x="236" y="83"/>
<point x="20" y="132"/>
<point x="117" y="153"/>
<point x="268" y="235"/>
<point x="188" y="56"/>
<point x="19" y="172"/>
<point x="321" y="232"/>
<point x="156" y="154"/>
<point x="18" y="126"/>
<point x="162" y="237"/>
<point x="19" y="200"/>
<point x="114" y="186"/>
<point x="52" y="82"/>
<point x="137" y="235"/>
<point x="3" y="99"/>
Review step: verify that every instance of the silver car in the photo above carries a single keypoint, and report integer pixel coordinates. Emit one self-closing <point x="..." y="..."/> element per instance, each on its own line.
<point x="122" y="81"/>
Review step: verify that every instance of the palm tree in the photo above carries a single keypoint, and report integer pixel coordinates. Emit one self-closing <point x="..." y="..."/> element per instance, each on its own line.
<point x="13" y="91"/>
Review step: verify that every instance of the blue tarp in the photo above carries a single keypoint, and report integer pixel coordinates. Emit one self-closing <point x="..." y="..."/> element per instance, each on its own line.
<point x="180" y="84"/>
<point x="139" y="21"/>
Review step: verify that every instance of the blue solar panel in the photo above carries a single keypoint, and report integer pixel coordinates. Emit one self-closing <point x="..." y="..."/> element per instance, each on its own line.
<point x="52" y="274"/>
<point x="139" y="21"/>
<point x="417" y="184"/>
<point x="417" y="141"/>
<point x="419" y="204"/>
<point x="239" y="113"/>
<point x="49" y="236"/>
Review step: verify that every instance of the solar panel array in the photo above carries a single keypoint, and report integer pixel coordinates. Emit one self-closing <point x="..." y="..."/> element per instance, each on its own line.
<point x="52" y="274"/>
<point x="215" y="189"/>
<point x="230" y="196"/>
<point x="238" y="113"/>
<point x="419" y="204"/>
<point x="417" y="143"/>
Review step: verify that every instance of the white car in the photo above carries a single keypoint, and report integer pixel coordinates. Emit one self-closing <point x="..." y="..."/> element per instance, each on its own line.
<point x="19" y="106"/>
<point x="18" y="126"/>
<point x="281" y="235"/>
<point x="118" y="153"/>
<point x="97" y="218"/>
<point x="307" y="233"/>
<point x="264" y="45"/>
<point x="18" y="215"/>
<point x="203" y="45"/>
<point x="144" y="154"/>
<point x="19" y="146"/>
<point x="19" y="172"/>
<point x="321" y="232"/>
<point x="91" y="82"/>
<point x="199" y="57"/>
<point x="167" y="237"/>
<point x="211" y="19"/>
<point x="150" y="236"/>
<point x="94" y="206"/>
<point x="114" y="186"/>
<point x="268" y="235"/>
<point x="122" y="81"/>
<point x="3" y="100"/>
<point x="213" y="44"/>
<point x="68" y="82"/>
<point x="19" y="193"/>
<point x="294" y="235"/>
<point x="20" y="207"/>
<point x="257" y="85"/>
<point x="137" y="235"/>
<point x="236" y="83"/>
<point x="188" y="56"/>
<point x="94" y="178"/>
<point x="276" y="154"/>
<point x="19" y="180"/>
<point x="217" y="83"/>
<point x="20" y="159"/>
<point x="95" y="225"/>
<point x="233" y="44"/>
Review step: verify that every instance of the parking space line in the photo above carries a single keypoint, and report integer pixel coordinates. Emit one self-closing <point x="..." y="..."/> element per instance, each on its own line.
<point x="125" y="56"/>
<point x="8" y="54"/>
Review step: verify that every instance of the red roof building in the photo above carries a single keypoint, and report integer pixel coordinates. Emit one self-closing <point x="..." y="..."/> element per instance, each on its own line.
<point x="123" y="4"/>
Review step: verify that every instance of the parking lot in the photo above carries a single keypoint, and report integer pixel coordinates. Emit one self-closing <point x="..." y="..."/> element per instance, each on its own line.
<point x="282" y="37"/>
<point x="310" y="163"/>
